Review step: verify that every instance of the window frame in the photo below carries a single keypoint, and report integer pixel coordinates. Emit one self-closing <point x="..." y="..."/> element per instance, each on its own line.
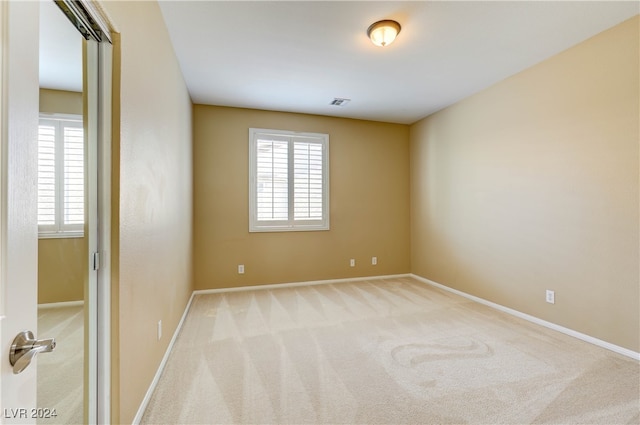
<point x="291" y="224"/>
<point x="59" y="229"/>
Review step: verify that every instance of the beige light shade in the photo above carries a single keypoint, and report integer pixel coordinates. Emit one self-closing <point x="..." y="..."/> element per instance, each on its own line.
<point x="382" y="33"/>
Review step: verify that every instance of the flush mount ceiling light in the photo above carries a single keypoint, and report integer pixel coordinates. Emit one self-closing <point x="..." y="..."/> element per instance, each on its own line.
<point x="382" y="33"/>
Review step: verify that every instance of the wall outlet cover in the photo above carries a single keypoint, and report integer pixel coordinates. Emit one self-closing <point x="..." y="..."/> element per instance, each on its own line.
<point x="551" y="296"/>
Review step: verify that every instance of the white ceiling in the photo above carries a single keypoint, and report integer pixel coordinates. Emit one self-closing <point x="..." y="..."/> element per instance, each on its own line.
<point x="60" y="50"/>
<point x="298" y="55"/>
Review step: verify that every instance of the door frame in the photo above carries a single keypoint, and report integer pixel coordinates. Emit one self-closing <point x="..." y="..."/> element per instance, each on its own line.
<point x="98" y="291"/>
<point x="103" y="232"/>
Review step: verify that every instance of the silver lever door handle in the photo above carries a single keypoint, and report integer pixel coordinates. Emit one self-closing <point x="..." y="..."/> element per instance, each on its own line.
<point x="25" y="347"/>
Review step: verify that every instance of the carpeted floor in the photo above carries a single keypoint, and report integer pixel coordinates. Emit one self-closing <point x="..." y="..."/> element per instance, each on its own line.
<point x="382" y="352"/>
<point x="60" y="372"/>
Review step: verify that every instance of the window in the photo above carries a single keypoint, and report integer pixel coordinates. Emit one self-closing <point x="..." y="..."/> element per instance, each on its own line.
<point x="288" y="181"/>
<point x="60" y="176"/>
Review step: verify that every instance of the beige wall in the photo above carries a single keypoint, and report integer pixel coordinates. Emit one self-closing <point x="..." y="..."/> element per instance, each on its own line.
<point x="532" y="184"/>
<point x="61" y="262"/>
<point x="60" y="102"/>
<point x="152" y="236"/>
<point x="369" y="189"/>
<point x="61" y="270"/>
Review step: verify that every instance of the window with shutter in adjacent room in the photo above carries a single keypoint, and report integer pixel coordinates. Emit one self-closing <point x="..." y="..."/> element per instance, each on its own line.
<point x="289" y="181"/>
<point x="60" y="176"/>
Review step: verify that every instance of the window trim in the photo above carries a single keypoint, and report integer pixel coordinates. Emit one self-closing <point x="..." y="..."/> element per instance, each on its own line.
<point x="290" y="225"/>
<point x="59" y="230"/>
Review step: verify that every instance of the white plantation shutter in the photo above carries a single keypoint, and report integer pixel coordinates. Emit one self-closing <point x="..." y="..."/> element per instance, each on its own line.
<point x="288" y="187"/>
<point x="308" y="181"/>
<point x="273" y="180"/>
<point x="73" y="175"/>
<point x="47" y="175"/>
<point x="60" y="176"/>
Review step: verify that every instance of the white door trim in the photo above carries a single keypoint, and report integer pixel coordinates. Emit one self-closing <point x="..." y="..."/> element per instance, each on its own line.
<point x="91" y="290"/>
<point x="104" y="234"/>
<point x="99" y="73"/>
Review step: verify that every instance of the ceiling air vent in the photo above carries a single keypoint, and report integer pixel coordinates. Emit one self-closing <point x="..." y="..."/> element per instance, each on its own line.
<point x="339" y="101"/>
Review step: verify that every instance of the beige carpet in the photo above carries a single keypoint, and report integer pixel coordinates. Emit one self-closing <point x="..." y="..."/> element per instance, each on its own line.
<point x="60" y="372"/>
<point x="382" y="352"/>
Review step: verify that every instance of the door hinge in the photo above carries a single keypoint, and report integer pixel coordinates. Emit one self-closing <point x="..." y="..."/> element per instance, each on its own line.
<point x="96" y="260"/>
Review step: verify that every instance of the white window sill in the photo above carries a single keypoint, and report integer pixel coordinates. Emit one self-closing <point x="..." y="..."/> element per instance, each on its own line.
<point x="259" y="229"/>
<point x="60" y="235"/>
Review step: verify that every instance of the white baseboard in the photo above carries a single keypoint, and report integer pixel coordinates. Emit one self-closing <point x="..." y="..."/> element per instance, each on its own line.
<point x="61" y="304"/>
<point x="584" y="337"/>
<point x="156" y="378"/>
<point x="295" y="284"/>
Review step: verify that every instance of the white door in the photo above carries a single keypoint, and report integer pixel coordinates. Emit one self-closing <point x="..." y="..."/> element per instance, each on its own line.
<point x="18" y="178"/>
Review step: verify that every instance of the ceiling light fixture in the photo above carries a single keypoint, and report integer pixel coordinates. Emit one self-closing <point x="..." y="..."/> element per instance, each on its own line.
<point x="382" y="33"/>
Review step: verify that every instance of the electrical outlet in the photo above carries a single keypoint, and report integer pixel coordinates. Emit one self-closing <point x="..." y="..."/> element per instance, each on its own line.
<point x="374" y="261"/>
<point x="159" y="329"/>
<point x="551" y="296"/>
<point x="240" y="268"/>
<point x="352" y="262"/>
